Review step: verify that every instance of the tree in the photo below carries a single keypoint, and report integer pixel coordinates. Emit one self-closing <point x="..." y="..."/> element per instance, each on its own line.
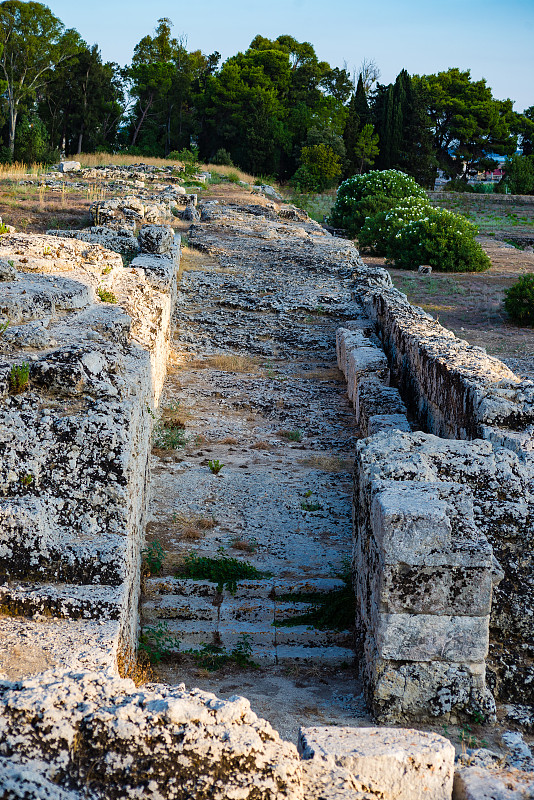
<point x="468" y="123"/>
<point x="358" y="116"/>
<point x="34" y="41"/>
<point x="366" y="149"/>
<point x="84" y="103"/>
<point x="151" y="72"/>
<point x="368" y="74"/>
<point x="523" y="125"/>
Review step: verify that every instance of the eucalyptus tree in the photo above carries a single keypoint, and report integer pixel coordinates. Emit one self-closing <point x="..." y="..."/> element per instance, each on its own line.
<point x="33" y="41"/>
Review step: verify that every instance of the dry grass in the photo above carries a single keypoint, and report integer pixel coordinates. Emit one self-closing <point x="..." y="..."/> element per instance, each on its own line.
<point x="243" y="545"/>
<point x="224" y="170"/>
<point x="327" y="463"/>
<point x="20" y="170"/>
<point x="135" y="666"/>
<point x="228" y="440"/>
<point x="262" y="446"/>
<point x="121" y="159"/>
<point x="227" y="363"/>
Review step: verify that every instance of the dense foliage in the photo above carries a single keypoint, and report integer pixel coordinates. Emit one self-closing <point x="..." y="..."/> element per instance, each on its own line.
<point x="364" y="196"/>
<point x="274" y="109"/>
<point x="519" y="300"/>
<point x="442" y="239"/>
<point x="378" y="232"/>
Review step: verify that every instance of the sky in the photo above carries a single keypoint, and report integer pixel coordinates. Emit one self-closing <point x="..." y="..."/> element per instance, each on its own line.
<point x="495" y="40"/>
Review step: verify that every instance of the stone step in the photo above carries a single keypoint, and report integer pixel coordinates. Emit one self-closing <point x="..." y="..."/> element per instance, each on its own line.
<point x="245" y="589"/>
<point x="231" y="609"/>
<point x="228" y="634"/>
<point x="62" y="600"/>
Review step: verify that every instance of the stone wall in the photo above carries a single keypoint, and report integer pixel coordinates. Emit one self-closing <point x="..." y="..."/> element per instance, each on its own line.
<point x="430" y="512"/>
<point x="89" y="340"/>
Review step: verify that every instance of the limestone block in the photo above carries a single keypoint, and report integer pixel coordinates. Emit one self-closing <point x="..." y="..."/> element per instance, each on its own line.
<point x="372" y="398"/>
<point x="387" y="422"/>
<point x="427" y="523"/>
<point x="421" y="589"/>
<point x="393" y="764"/>
<point x="399" y="691"/>
<point x="69" y="166"/>
<point x="351" y="335"/>
<point x="120" y="241"/>
<point x="24" y="780"/>
<point x="477" y="783"/>
<point x="427" y="637"/>
<point x="364" y="361"/>
<point x="157" y="239"/>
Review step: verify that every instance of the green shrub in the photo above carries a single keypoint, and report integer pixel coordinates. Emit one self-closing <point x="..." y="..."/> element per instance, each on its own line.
<point x="442" y="239"/>
<point x="222" y="158"/>
<point x="458" y="185"/>
<point x="519" y="301"/>
<point x="320" y="166"/>
<point x="365" y="195"/>
<point x="378" y="232"/>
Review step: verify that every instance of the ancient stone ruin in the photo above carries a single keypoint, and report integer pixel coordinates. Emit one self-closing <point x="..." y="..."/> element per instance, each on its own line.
<point x="442" y="506"/>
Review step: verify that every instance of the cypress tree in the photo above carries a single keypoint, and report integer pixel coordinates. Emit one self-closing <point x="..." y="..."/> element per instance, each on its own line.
<point x="359" y="115"/>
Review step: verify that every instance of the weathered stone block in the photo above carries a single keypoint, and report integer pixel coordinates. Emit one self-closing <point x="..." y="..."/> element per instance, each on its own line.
<point x="393" y="764"/>
<point x="387" y="422"/>
<point x="404" y="690"/>
<point x="364" y="361"/>
<point x="477" y="783"/>
<point x="427" y="637"/>
<point x="156" y="239"/>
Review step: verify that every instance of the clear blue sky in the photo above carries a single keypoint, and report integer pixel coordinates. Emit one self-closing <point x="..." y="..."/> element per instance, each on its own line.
<point x="493" y="39"/>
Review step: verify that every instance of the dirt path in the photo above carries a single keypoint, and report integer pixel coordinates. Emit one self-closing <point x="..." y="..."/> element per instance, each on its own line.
<point x="256" y="386"/>
<point x="471" y="304"/>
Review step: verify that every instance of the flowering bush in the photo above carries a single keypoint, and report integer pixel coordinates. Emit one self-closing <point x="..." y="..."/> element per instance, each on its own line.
<point x="519" y="301"/>
<point x="442" y="239"/>
<point x="365" y="195"/>
<point x="379" y="230"/>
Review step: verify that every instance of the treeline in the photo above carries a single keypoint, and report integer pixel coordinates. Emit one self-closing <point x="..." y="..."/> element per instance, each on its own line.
<point x="274" y="110"/>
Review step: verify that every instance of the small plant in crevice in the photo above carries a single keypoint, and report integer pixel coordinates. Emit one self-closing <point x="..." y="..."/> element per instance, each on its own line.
<point x="223" y="571"/>
<point x="215" y="466"/>
<point x="153" y="557"/>
<point x="3" y="327"/>
<point x="158" y="642"/>
<point x="105" y="295"/>
<point x="292" y="436"/>
<point x="26" y="480"/>
<point x="213" y="657"/>
<point x="19" y="377"/>
<point x="309" y="504"/>
<point x="169" y="436"/>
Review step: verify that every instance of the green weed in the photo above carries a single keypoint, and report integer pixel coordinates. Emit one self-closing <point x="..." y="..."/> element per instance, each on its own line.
<point x="105" y="295"/>
<point x="292" y="436"/>
<point x="213" y="657"/>
<point x="168" y="437"/>
<point x="3" y="327"/>
<point x="157" y="642"/>
<point x="223" y="571"/>
<point x="215" y="466"/>
<point x="153" y="557"/>
<point x="19" y="377"/>
<point x="26" y="480"/>
<point x="332" y="611"/>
